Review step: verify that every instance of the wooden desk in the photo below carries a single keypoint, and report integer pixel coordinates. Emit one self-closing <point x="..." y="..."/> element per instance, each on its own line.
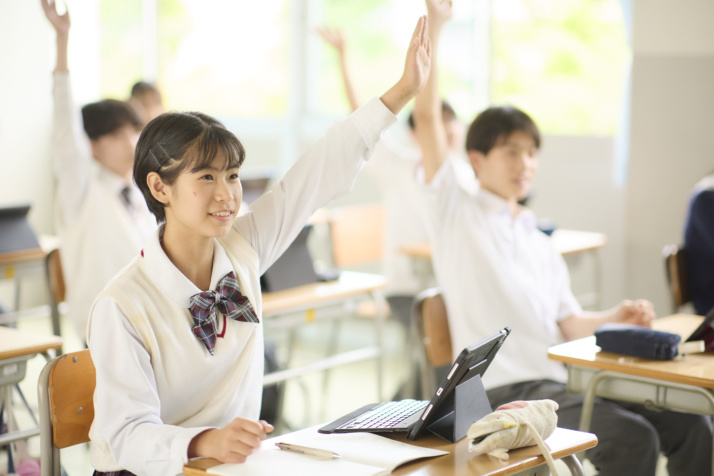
<point x="16" y="348"/>
<point x="685" y="383"/>
<point x="568" y="242"/>
<point x="564" y="444"/>
<point x="17" y="265"/>
<point x="295" y="307"/>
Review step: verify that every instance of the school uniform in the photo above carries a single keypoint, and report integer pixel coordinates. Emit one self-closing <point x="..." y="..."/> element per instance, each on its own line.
<point x="498" y="270"/>
<point x="699" y="246"/>
<point x="157" y="385"/>
<point x="101" y="219"/>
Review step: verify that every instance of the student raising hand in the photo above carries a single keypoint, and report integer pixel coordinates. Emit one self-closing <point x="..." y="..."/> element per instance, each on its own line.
<point x="416" y="69"/>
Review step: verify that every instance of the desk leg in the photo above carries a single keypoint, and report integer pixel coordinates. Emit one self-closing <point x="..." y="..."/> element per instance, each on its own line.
<point x="597" y="266"/>
<point x="591" y="391"/>
<point x="573" y="464"/>
<point x="379" y="302"/>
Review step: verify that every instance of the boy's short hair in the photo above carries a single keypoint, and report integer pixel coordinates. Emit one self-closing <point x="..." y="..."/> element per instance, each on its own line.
<point x="106" y="116"/>
<point x="447" y="114"/>
<point x="178" y="141"/>
<point x="496" y="124"/>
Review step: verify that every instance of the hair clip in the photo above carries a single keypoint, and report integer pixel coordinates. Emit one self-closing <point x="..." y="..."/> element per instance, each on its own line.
<point x="158" y="164"/>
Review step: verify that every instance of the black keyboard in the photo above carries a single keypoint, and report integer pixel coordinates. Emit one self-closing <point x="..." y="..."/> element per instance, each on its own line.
<point x="386" y="415"/>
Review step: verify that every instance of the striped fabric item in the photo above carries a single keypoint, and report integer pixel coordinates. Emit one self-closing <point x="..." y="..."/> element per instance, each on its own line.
<point x="228" y="300"/>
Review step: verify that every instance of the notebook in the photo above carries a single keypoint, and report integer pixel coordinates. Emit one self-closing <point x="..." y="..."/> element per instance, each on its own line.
<point x="15" y="231"/>
<point x="416" y="416"/>
<point x="293" y="268"/>
<point x="362" y="454"/>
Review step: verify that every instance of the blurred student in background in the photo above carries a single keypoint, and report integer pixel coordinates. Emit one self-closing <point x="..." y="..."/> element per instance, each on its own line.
<point x="101" y="216"/>
<point x="146" y="100"/>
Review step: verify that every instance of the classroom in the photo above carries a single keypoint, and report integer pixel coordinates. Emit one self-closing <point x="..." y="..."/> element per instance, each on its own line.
<point x="617" y="99"/>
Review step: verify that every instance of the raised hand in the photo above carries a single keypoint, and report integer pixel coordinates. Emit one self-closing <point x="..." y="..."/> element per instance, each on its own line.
<point x="333" y="37"/>
<point x="438" y="11"/>
<point x="61" y="23"/>
<point x="418" y="62"/>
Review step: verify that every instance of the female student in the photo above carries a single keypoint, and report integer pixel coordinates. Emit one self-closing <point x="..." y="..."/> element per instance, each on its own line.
<point x="176" y="337"/>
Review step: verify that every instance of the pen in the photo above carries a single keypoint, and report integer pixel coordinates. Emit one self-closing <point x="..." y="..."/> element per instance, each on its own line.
<point x="308" y="451"/>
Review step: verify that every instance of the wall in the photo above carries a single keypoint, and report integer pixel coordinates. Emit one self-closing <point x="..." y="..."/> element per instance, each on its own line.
<point x="672" y="114"/>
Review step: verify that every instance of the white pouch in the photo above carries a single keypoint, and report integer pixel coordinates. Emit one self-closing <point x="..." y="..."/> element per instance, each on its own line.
<point x="515" y="425"/>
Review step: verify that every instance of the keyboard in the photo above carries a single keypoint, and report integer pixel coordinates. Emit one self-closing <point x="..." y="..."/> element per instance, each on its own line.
<point x="385" y="416"/>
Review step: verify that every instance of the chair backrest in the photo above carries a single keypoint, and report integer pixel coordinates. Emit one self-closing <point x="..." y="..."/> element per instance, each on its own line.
<point x="65" y="394"/>
<point x="55" y="281"/>
<point x="676" y="275"/>
<point x="357" y="234"/>
<point x="432" y="329"/>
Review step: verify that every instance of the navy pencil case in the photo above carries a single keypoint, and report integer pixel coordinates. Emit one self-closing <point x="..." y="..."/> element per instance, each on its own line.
<point x="637" y="341"/>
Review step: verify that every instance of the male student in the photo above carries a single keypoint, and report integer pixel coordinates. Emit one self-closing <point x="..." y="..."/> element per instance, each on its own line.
<point x="495" y="268"/>
<point x="102" y="218"/>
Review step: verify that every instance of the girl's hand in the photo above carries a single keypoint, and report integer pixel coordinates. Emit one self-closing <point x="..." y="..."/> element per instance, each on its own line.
<point x="418" y="62"/>
<point x="232" y="443"/>
<point x="416" y="70"/>
<point x="60" y="23"/>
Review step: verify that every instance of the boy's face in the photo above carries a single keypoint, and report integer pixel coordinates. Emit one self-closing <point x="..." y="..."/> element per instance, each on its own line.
<point x="115" y="151"/>
<point x="509" y="167"/>
<point x="204" y="204"/>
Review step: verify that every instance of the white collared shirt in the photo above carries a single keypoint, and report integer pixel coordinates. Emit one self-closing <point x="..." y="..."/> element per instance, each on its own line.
<point x="129" y="433"/>
<point x="496" y="270"/>
<point x="99" y="233"/>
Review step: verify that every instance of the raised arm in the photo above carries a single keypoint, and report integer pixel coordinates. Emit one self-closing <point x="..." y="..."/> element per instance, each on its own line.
<point x="61" y="25"/>
<point x="70" y="146"/>
<point x="416" y="70"/>
<point x="336" y="39"/>
<point x="429" y="128"/>
<point x="330" y="166"/>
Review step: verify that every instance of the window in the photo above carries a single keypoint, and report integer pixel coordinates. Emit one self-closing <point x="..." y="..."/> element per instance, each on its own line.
<point x="563" y="61"/>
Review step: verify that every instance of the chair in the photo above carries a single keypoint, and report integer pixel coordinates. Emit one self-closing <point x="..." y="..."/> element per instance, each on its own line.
<point x="55" y="281"/>
<point x="65" y="396"/>
<point x="357" y="235"/>
<point x="676" y="276"/>
<point x="431" y="326"/>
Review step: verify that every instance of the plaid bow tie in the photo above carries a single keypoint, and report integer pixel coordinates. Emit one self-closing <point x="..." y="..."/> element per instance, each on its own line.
<point x="228" y="299"/>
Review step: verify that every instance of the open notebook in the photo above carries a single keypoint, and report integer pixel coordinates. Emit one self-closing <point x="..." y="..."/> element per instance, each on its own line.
<point x="363" y="454"/>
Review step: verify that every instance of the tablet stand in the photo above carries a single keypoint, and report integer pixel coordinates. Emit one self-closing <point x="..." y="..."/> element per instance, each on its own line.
<point x="470" y="404"/>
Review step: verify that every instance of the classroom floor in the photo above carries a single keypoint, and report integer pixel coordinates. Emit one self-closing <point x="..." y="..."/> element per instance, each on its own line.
<point x="306" y="403"/>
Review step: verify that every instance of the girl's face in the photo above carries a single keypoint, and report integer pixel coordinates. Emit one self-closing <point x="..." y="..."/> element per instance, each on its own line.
<point x="204" y="203"/>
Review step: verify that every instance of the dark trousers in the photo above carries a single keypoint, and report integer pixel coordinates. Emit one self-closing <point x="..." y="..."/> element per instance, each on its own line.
<point x="630" y="437"/>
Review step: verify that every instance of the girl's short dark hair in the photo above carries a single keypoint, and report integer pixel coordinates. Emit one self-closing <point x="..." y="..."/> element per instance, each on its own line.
<point x="178" y="141"/>
<point x="495" y="124"/>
